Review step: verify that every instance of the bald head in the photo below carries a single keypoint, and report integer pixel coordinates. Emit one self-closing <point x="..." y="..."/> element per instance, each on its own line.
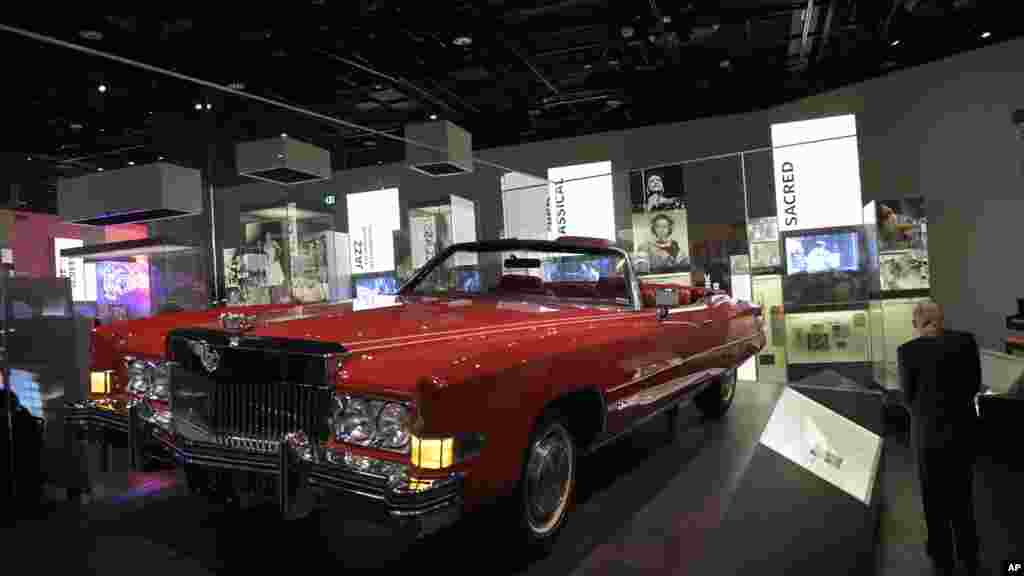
<point x="928" y="318"/>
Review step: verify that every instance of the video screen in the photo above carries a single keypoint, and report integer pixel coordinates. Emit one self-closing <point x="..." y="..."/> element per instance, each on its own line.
<point x="85" y="309"/>
<point x="832" y="252"/>
<point x="369" y="286"/>
<point x="468" y="280"/>
<point x="25" y="386"/>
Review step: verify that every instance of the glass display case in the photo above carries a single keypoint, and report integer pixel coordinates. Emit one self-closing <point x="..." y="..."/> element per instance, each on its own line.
<point x="828" y="337"/>
<point x="129" y="279"/>
<point x="771" y="362"/>
<point x="287" y="254"/>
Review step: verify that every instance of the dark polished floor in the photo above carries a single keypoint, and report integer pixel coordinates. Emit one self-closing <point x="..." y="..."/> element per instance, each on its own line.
<point x="646" y="504"/>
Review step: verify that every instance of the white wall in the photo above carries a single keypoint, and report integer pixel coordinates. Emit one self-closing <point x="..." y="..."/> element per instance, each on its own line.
<point x="941" y="131"/>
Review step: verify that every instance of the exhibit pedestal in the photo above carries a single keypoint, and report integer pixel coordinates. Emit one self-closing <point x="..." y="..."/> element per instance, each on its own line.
<point x="814" y="515"/>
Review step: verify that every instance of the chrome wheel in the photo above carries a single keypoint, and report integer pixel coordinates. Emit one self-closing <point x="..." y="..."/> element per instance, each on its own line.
<point x="550" y="472"/>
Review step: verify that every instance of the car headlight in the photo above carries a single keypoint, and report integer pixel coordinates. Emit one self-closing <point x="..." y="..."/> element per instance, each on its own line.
<point x="393" y="426"/>
<point x="149" y="379"/>
<point x="367" y="422"/>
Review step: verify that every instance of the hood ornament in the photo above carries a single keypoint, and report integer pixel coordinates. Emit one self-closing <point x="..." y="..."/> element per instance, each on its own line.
<point x="236" y="322"/>
<point x="208" y="357"/>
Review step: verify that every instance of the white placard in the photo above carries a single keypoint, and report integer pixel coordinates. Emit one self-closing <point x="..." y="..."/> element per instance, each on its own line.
<point x="581" y="201"/>
<point x="742" y="289"/>
<point x="372" y="219"/>
<point x="524" y="201"/>
<point x="817" y="173"/>
<point x="828" y="445"/>
<point x="463" y="228"/>
<point x="423" y="231"/>
<point x="73" y="268"/>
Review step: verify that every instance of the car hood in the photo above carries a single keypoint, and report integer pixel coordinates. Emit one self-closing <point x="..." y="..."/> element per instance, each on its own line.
<point x="397" y="321"/>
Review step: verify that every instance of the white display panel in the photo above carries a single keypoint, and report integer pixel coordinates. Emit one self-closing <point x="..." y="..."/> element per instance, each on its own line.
<point x="581" y="201"/>
<point x="80" y="274"/>
<point x="817" y="173"/>
<point x="463" y="228"/>
<point x="823" y="337"/>
<point x="828" y="445"/>
<point x="524" y="200"/>
<point x="372" y="219"/>
<point x="423" y="231"/>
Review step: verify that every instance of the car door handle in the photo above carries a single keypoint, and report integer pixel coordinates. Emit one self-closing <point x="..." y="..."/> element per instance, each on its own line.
<point x="706" y="322"/>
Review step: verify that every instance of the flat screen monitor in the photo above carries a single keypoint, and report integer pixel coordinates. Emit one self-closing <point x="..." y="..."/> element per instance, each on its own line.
<point x="25" y="386"/>
<point x="468" y="280"/>
<point x="823" y="252"/>
<point x="375" y="285"/>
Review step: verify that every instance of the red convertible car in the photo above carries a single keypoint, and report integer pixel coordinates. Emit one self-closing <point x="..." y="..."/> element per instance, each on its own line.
<point x="485" y="377"/>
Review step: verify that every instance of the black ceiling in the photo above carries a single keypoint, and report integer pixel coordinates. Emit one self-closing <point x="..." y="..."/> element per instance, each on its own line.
<point x="530" y="71"/>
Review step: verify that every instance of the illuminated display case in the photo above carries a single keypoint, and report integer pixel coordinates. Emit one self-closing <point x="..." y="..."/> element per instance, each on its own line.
<point x="771" y="362"/>
<point x="131" y="279"/>
<point x="287" y="254"/>
<point x="828" y="337"/>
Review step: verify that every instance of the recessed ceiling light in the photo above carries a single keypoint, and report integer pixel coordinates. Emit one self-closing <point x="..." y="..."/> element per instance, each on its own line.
<point x="433" y="116"/>
<point x="237" y="86"/>
<point x="986" y="34"/>
<point x="613" y="62"/>
<point x="91" y="34"/>
<point x="462" y="41"/>
<point x="99" y="169"/>
<point x="209" y="106"/>
<point x="894" y="43"/>
<point x="102" y="88"/>
<point x="588" y="66"/>
<point x="284" y="135"/>
<point x="29" y="158"/>
<point x="131" y="163"/>
<point x="666" y="19"/>
<point x="159" y="157"/>
<point x="198" y="106"/>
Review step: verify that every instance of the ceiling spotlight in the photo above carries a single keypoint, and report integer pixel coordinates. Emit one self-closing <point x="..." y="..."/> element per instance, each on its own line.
<point x="613" y="62"/>
<point x="131" y="163"/>
<point x="102" y="88"/>
<point x="209" y="106"/>
<point x="236" y="86"/>
<point x="894" y="43"/>
<point x="159" y="157"/>
<point x="666" y="19"/>
<point x="284" y="135"/>
<point x="986" y="34"/>
<point x="627" y="31"/>
<point x="588" y="66"/>
<point x="462" y="41"/>
<point x="199" y="106"/>
<point x="99" y="169"/>
<point x="29" y="158"/>
<point x="91" y="34"/>
<point x="433" y="116"/>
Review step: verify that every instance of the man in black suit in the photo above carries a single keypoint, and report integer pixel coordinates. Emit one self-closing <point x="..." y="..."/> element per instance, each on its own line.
<point x="941" y="373"/>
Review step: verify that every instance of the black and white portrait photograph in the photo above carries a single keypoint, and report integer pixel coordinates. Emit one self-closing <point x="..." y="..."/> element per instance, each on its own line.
<point x="661" y="244"/>
<point x="658" y="189"/>
<point x="902" y="224"/>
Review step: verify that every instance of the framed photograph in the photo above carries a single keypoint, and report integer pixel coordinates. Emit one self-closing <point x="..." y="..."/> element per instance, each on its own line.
<point x="763" y="229"/>
<point x="765" y="256"/>
<point x="904" y="270"/>
<point x="902" y="224"/>
<point x="661" y="245"/>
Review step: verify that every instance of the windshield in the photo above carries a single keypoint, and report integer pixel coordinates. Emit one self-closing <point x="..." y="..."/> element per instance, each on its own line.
<point x="569" y="275"/>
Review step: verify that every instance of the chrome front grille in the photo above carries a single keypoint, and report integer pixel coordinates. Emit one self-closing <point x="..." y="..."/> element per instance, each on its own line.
<point x="268" y="410"/>
<point x="248" y="392"/>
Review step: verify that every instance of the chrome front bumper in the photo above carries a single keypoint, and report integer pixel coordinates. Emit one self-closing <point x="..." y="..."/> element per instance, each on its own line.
<point x="302" y="477"/>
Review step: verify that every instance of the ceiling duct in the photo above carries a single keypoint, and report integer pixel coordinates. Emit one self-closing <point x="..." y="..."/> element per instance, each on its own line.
<point x="284" y="161"/>
<point x="131" y="195"/>
<point x="456" y="145"/>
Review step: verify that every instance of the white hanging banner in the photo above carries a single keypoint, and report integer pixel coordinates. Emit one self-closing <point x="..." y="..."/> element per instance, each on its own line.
<point x="581" y="201"/>
<point x="463" y="228"/>
<point x="73" y="268"/>
<point x="372" y="219"/>
<point x="817" y="173"/>
<point x="524" y="201"/>
<point x="423" y="231"/>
